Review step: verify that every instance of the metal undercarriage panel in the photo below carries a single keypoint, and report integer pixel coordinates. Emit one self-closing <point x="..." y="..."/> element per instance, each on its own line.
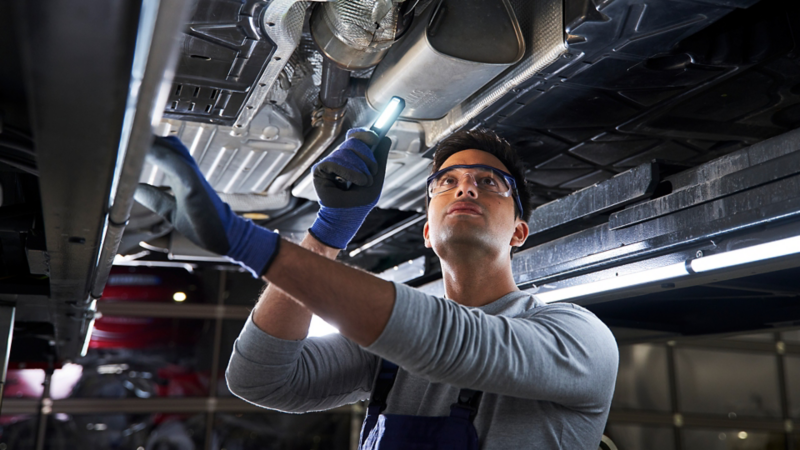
<point x="660" y="86"/>
<point x="650" y="80"/>
<point x="239" y="161"/>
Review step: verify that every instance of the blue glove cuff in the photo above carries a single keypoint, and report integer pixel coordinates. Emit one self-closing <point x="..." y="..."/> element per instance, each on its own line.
<point x="254" y="248"/>
<point x="336" y="227"/>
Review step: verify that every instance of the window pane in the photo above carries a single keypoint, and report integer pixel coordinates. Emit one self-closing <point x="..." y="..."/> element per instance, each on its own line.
<point x="717" y="382"/>
<point x="322" y="431"/>
<point x="638" y="437"/>
<point x="732" y="440"/>
<point x="642" y="381"/>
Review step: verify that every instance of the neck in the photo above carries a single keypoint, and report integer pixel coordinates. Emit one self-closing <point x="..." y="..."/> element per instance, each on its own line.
<point x="478" y="282"/>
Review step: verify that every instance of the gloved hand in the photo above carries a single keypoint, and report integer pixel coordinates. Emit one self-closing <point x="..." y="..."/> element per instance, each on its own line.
<point x="342" y="211"/>
<point x="198" y="213"/>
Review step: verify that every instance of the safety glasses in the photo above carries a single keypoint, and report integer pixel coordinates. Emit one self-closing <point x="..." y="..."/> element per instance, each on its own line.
<point x="486" y="178"/>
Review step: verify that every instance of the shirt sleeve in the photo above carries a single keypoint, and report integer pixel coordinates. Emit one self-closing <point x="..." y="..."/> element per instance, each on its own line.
<point x="312" y="374"/>
<point x="560" y="353"/>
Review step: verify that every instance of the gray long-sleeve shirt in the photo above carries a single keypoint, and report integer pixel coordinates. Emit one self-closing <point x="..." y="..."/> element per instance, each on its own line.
<point x="547" y="371"/>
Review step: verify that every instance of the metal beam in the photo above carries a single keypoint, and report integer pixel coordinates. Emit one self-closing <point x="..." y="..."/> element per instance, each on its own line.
<point x="78" y="57"/>
<point x="698" y="421"/>
<point x="625" y="188"/>
<point x="766" y="172"/>
<point x="6" y="335"/>
<point x="157" y="45"/>
<point x="93" y="90"/>
<point x="215" y="357"/>
<point x="143" y="406"/>
<point x="173" y="310"/>
<point x="754" y="187"/>
<point x="701" y="226"/>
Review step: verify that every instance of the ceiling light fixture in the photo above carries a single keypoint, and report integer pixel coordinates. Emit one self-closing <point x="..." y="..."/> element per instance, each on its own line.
<point x="761" y="252"/>
<point x="635" y="279"/>
<point x="755" y="253"/>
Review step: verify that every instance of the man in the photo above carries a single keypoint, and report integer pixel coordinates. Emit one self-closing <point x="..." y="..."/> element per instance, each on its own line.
<point x="546" y="372"/>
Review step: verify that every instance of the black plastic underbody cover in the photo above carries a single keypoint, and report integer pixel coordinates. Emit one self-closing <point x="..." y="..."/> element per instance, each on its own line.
<point x="223" y="54"/>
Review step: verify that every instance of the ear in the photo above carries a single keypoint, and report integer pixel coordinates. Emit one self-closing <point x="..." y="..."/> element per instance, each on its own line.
<point x="425" y="231"/>
<point x="521" y="231"/>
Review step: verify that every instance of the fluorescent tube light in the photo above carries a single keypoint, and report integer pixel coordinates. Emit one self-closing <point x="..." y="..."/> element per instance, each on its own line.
<point x="387" y="114"/>
<point x="648" y="276"/>
<point x="760" y="252"/>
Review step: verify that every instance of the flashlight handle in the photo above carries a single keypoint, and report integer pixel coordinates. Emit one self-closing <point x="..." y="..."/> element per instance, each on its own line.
<point x="381" y="132"/>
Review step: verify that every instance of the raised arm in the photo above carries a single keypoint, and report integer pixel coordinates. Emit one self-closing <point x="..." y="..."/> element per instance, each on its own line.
<point x="558" y="353"/>
<point x="275" y="366"/>
<point x="272" y="364"/>
<point x="277" y="313"/>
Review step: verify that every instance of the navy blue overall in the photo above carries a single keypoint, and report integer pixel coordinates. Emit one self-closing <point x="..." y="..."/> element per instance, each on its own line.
<point x="400" y="432"/>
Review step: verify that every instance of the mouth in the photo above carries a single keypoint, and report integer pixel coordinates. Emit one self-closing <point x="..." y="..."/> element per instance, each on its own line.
<point x="464" y="208"/>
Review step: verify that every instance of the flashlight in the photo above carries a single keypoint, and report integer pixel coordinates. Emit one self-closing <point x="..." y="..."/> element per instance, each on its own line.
<point x="381" y="126"/>
<point x="387" y="118"/>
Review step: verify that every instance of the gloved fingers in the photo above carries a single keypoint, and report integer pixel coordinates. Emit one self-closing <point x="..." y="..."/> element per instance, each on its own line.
<point x="381" y="155"/>
<point x="364" y="135"/>
<point x="355" y="150"/>
<point x="157" y="201"/>
<point x="332" y="170"/>
<point x="173" y="158"/>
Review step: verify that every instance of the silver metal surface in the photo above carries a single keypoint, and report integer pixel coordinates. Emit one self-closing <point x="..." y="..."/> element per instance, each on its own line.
<point x="182" y="249"/>
<point x="186" y="405"/>
<point x="151" y="78"/>
<point x="355" y="34"/>
<point x="326" y="129"/>
<point x="406" y="171"/>
<point x="173" y="310"/>
<point x="408" y="223"/>
<point x="440" y="62"/>
<point x="239" y="164"/>
<point x="6" y="335"/>
<point x="546" y="45"/>
<point x="283" y="23"/>
<point x="764" y="207"/>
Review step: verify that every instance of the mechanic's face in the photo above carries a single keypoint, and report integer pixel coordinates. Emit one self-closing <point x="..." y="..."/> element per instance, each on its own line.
<point x="472" y="218"/>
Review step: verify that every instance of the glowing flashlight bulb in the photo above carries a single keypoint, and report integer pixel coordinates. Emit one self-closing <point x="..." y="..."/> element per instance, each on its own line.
<point x="388" y="112"/>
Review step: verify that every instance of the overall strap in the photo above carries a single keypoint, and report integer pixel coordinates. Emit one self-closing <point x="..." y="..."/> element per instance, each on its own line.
<point x="467" y="405"/>
<point x="383" y="384"/>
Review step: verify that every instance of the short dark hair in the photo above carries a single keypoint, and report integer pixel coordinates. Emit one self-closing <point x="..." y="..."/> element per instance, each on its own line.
<point x="488" y="141"/>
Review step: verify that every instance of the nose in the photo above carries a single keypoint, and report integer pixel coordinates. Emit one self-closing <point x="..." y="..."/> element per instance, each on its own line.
<point x="467" y="186"/>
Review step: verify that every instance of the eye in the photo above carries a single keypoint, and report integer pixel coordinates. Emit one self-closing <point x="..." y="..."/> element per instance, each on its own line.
<point x="488" y="181"/>
<point x="447" y="180"/>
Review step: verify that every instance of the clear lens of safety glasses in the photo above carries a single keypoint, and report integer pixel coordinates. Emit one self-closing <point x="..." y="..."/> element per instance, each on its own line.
<point x="486" y="178"/>
<point x="483" y="177"/>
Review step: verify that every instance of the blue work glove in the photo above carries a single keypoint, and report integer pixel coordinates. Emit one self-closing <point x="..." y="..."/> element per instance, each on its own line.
<point x="198" y="213"/>
<point x="342" y="211"/>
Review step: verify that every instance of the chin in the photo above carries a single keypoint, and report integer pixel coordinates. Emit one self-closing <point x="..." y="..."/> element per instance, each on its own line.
<point x="460" y="238"/>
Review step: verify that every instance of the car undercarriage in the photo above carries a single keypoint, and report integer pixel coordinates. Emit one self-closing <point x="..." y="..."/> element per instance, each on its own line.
<point x="655" y="133"/>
